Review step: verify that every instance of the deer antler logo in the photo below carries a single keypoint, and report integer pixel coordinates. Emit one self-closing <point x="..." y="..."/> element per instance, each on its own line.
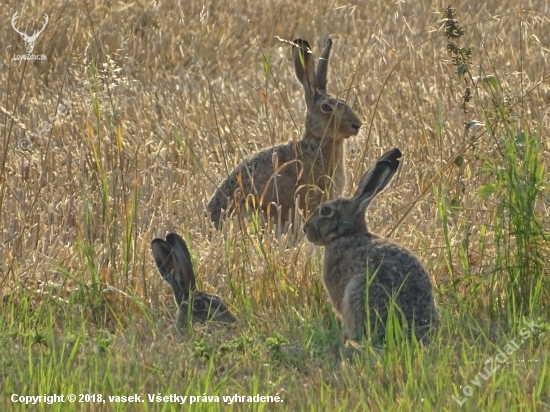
<point x="29" y="40"/>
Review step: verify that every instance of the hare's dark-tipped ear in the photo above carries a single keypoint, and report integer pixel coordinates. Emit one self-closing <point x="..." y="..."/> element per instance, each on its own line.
<point x="393" y="156"/>
<point x="377" y="178"/>
<point x="174" y="264"/>
<point x="179" y="247"/>
<point x="303" y="66"/>
<point x="322" y="69"/>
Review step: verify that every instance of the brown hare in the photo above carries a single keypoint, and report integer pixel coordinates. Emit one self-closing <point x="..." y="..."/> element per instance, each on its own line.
<point x="312" y="167"/>
<point x="174" y="264"/>
<point x="355" y="257"/>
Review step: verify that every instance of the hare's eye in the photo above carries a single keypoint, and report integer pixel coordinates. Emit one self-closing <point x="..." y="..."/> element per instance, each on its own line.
<point x="326" y="108"/>
<point x="325" y="210"/>
<point x="199" y="304"/>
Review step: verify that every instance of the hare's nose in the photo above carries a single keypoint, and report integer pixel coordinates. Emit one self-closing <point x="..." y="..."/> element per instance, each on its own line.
<point x="357" y="126"/>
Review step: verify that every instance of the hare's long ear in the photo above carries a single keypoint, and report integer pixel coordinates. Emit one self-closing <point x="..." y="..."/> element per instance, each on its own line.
<point x="376" y="178"/>
<point x="304" y="68"/>
<point x="392" y="155"/>
<point x="322" y="69"/>
<point x="174" y="264"/>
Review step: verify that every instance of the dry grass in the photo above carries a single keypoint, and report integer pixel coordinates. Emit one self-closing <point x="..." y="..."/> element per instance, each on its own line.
<point x="166" y="101"/>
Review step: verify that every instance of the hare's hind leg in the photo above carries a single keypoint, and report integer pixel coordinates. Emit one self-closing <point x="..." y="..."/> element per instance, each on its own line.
<point x="429" y="323"/>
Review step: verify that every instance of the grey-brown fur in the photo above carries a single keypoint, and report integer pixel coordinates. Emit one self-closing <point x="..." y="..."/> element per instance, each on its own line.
<point x="353" y="255"/>
<point x="174" y="264"/>
<point x="312" y="166"/>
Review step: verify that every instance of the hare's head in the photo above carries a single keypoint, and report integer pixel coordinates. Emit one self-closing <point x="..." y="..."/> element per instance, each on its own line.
<point x="346" y="216"/>
<point x="174" y="264"/>
<point x="326" y="116"/>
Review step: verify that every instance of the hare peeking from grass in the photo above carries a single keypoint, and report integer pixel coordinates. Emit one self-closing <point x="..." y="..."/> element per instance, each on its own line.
<point x="312" y="167"/>
<point x="355" y="257"/>
<point x="174" y="264"/>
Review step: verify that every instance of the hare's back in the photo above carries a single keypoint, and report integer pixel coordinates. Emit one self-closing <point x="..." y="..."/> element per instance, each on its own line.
<point x="396" y="263"/>
<point x="393" y="264"/>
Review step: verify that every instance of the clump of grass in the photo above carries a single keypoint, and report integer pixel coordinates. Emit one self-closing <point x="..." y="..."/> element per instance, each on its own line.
<point x="518" y="277"/>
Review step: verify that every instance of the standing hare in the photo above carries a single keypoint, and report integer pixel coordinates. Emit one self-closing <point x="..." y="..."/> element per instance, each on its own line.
<point x="355" y="257"/>
<point x="174" y="264"/>
<point x="312" y="167"/>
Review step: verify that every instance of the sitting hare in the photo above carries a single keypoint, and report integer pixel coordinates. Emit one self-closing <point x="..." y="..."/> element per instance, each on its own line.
<point x="174" y="264"/>
<point x="355" y="257"/>
<point x="312" y="167"/>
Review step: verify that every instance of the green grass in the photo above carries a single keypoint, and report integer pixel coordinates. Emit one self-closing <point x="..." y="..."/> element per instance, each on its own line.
<point x="55" y="348"/>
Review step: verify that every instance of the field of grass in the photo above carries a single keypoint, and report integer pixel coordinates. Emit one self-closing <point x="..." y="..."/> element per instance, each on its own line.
<point x="141" y="109"/>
